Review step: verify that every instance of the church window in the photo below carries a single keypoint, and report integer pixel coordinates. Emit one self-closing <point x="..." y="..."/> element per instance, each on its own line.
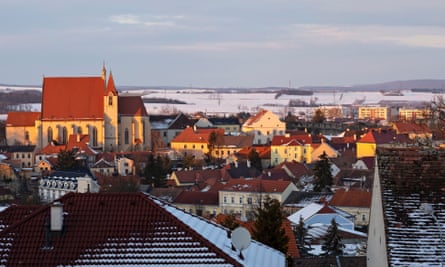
<point x="64" y="135"/>
<point x="126" y="136"/>
<point x="110" y="100"/>
<point x="79" y="130"/>
<point x="143" y="132"/>
<point x="50" y="134"/>
<point x="94" y="136"/>
<point x="27" y="136"/>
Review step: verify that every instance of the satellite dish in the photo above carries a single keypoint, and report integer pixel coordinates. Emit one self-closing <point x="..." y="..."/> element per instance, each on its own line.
<point x="241" y="239"/>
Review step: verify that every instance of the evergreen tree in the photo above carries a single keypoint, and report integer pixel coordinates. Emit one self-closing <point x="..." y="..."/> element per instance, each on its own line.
<point x="318" y="116"/>
<point x="156" y="170"/>
<point x="332" y="245"/>
<point x="268" y="226"/>
<point x="254" y="157"/>
<point x="322" y="171"/>
<point x="303" y="241"/>
<point x="65" y="160"/>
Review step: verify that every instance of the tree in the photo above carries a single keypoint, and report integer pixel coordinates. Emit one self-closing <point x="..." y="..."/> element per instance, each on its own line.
<point x="322" y="171"/>
<point x="66" y="161"/>
<point x="254" y="157"/>
<point x="268" y="228"/>
<point x="318" y="116"/>
<point x="230" y="222"/>
<point x="301" y="233"/>
<point x="156" y="170"/>
<point x="332" y="245"/>
<point x="215" y="138"/>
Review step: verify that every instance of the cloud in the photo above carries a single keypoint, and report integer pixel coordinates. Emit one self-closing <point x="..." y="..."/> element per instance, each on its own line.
<point x="127" y="19"/>
<point x="221" y="46"/>
<point x="412" y="36"/>
<point x="149" y="21"/>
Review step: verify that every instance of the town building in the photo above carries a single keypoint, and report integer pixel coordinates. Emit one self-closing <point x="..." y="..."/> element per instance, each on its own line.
<point x="263" y="126"/>
<point x="84" y="105"/>
<point x="374" y="113"/>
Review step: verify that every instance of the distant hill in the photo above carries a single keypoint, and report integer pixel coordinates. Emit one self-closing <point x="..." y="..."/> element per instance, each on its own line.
<point x="394" y="85"/>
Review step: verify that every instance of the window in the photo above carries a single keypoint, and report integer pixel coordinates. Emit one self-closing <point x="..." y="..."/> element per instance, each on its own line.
<point x="79" y="130"/>
<point x="249" y="200"/>
<point x="232" y="200"/>
<point x="27" y="136"/>
<point x="164" y="134"/>
<point x="110" y="100"/>
<point x="64" y="135"/>
<point x="94" y="136"/>
<point x="241" y="200"/>
<point x="193" y="146"/>
<point x="126" y="136"/>
<point x="225" y="199"/>
<point x="50" y="134"/>
<point x="363" y="217"/>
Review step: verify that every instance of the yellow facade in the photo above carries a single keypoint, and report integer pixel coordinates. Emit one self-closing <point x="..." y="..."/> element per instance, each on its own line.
<point x="413" y="114"/>
<point x="196" y="149"/>
<point x="298" y="153"/>
<point x="373" y="112"/>
<point x="21" y="135"/>
<point x="365" y="149"/>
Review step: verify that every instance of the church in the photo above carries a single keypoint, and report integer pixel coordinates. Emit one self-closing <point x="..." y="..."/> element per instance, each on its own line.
<point x="83" y="105"/>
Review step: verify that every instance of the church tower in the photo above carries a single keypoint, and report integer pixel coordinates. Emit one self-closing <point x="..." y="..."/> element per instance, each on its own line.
<point x="110" y="114"/>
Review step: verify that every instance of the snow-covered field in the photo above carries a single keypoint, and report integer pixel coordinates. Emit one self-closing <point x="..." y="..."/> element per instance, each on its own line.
<point x="227" y="103"/>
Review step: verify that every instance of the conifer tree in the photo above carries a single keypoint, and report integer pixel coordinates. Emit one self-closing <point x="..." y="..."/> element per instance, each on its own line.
<point x="332" y="241"/>
<point x="268" y="227"/>
<point x="322" y="171"/>
<point x="254" y="157"/>
<point x="156" y="170"/>
<point x="301" y="233"/>
<point x="65" y="160"/>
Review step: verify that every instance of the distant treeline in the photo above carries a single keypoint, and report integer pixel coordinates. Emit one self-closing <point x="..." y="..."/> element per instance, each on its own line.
<point x="14" y="100"/>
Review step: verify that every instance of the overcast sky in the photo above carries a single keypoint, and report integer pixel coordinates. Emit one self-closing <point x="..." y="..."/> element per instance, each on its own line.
<point x="242" y="43"/>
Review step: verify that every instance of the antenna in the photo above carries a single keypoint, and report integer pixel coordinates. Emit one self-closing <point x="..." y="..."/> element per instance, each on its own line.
<point x="241" y="240"/>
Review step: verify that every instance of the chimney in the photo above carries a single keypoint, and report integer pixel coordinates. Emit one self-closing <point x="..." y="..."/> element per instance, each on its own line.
<point x="56" y="216"/>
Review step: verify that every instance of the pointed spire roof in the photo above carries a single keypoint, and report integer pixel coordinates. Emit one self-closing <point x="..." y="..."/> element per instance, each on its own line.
<point x="110" y="86"/>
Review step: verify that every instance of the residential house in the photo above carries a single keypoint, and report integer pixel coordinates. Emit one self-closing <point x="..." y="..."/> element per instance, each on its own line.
<point x="264" y="126"/>
<point x="263" y="152"/>
<point x="300" y="199"/>
<point x="103" y="167"/>
<point x="20" y="128"/>
<point x="194" y="141"/>
<point x="190" y="178"/>
<point x="413" y="130"/>
<point x="229" y="145"/>
<point x="60" y="183"/>
<point x="407" y="218"/>
<point x="291" y="148"/>
<point x="368" y="143"/>
<point x="165" y="128"/>
<point x="323" y="147"/>
<point x="203" y="204"/>
<point x="355" y="202"/>
<point x="123" y="229"/>
<point x="22" y="154"/>
<point x="243" y="196"/>
<point x="229" y="124"/>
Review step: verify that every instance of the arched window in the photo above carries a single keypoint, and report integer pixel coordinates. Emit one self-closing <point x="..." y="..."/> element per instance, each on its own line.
<point x="79" y="130"/>
<point x="126" y="136"/>
<point x="110" y="99"/>
<point x="27" y="135"/>
<point x="94" y="136"/>
<point x="64" y="135"/>
<point x="50" y="134"/>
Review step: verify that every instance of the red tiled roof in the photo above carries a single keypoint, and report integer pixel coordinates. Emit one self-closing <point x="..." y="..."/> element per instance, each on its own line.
<point x="14" y="214"/>
<point x="411" y="127"/>
<point x="132" y="105"/>
<point x="197" y="176"/>
<point x="379" y="137"/>
<point x="69" y="98"/>
<point x="292" y="140"/>
<point x="108" y="229"/>
<point x="199" y="136"/>
<point x="251" y="120"/>
<point x="197" y="198"/>
<point x="22" y="118"/>
<point x="351" y="198"/>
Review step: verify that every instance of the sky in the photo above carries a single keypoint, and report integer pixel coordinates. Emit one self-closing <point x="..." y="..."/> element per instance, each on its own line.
<point x="243" y="43"/>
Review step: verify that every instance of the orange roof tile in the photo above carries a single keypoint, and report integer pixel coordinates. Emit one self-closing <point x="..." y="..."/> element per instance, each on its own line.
<point x="68" y="98"/>
<point x="22" y="118"/>
<point x="255" y="117"/>
<point x="351" y="198"/>
<point x="132" y="105"/>
<point x="199" y="136"/>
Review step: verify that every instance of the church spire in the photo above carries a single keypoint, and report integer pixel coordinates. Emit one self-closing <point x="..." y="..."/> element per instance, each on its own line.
<point x="104" y="71"/>
<point x="110" y="86"/>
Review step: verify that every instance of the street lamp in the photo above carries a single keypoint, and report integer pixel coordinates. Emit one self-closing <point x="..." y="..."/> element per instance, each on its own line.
<point x="428" y="209"/>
